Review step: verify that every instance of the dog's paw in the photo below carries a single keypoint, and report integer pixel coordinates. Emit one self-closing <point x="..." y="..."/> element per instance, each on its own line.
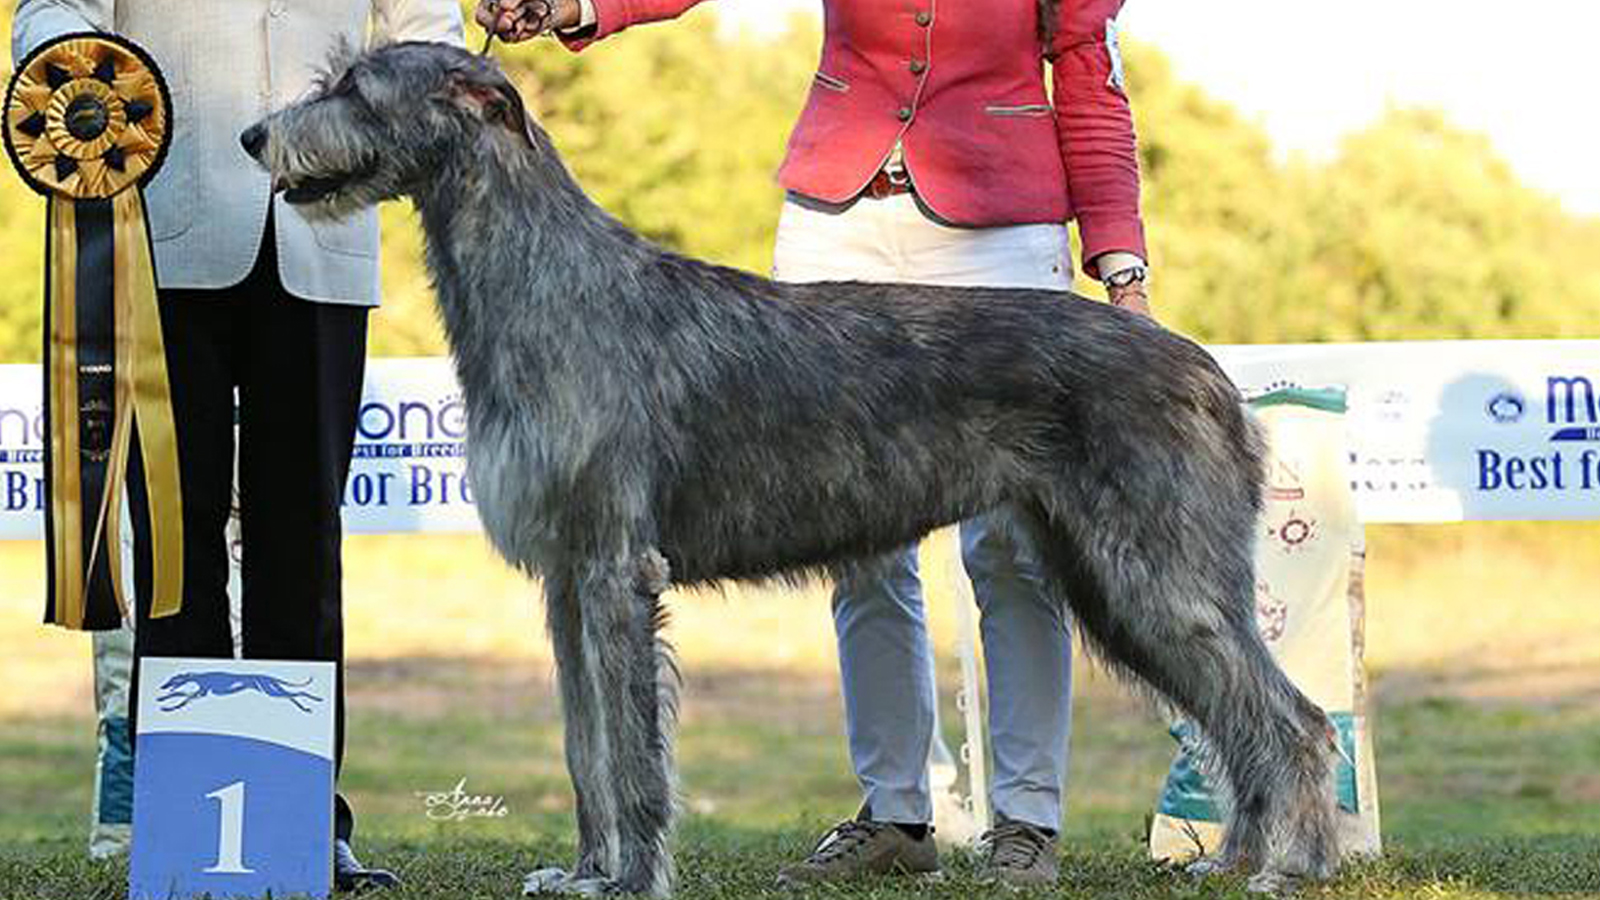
<point x="560" y="882"/>
<point x="1206" y="866"/>
<point x="1272" y="884"/>
<point x="654" y="575"/>
<point x="542" y="881"/>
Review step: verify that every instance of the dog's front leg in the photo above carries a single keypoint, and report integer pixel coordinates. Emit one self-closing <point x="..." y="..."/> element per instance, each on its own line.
<point x="583" y="711"/>
<point x="619" y="731"/>
<point x="621" y="618"/>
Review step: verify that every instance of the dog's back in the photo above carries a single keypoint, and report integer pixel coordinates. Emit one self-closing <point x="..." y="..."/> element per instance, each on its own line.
<point x="869" y="414"/>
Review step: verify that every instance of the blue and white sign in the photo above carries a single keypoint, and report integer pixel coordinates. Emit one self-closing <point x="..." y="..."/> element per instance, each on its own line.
<point x="233" y="779"/>
<point x="409" y="471"/>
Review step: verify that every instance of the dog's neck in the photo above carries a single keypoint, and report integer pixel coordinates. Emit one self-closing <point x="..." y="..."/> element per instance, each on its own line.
<point x="521" y="260"/>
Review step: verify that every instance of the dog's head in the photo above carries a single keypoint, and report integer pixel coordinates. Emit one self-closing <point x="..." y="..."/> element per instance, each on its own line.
<point x="383" y="124"/>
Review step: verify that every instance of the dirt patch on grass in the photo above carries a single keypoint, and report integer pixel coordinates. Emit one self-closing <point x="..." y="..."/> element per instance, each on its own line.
<point x="1546" y="686"/>
<point x="422" y="687"/>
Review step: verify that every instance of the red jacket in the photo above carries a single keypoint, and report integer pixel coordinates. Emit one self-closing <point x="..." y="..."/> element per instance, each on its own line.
<point x="961" y="84"/>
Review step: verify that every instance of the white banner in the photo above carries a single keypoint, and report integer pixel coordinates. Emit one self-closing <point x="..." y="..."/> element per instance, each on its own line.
<point x="1440" y="431"/>
<point x="1450" y="431"/>
<point x="410" y="467"/>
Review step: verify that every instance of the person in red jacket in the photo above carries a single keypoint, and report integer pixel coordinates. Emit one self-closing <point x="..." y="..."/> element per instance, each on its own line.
<point x="932" y="150"/>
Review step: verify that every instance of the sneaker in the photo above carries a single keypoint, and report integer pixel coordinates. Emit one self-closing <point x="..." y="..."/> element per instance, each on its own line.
<point x="350" y="876"/>
<point x="860" y="848"/>
<point x="1016" y="854"/>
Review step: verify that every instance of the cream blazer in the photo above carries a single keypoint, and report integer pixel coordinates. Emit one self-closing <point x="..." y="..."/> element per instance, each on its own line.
<point x="228" y="63"/>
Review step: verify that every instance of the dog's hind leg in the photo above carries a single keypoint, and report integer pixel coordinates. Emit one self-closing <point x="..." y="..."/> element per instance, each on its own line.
<point x="1165" y="590"/>
<point x="583" y="708"/>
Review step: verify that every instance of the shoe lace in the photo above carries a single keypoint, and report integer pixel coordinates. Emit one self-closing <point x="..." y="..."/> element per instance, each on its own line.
<point x="1014" y="845"/>
<point x="843" y="839"/>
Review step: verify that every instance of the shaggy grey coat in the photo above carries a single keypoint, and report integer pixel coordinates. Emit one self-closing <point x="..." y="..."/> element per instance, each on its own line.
<point x="639" y="418"/>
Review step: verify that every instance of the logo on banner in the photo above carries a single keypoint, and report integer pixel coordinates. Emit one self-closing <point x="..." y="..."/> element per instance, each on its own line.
<point x="1571" y="407"/>
<point x="21" y="435"/>
<point x="21" y="459"/>
<point x="1572" y="414"/>
<point x="410" y="453"/>
<point x="412" y="427"/>
<point x="186" y="687"/>
<point x="1507" y="407"/>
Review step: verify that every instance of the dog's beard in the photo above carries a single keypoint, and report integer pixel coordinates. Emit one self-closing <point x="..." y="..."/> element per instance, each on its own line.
<point x="331" y="198"/>
<point x="322" y="191"/>
<point x="322" y="178"/>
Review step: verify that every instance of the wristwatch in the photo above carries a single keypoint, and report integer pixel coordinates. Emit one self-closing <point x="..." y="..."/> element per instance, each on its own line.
<point x="1124" y="277"/>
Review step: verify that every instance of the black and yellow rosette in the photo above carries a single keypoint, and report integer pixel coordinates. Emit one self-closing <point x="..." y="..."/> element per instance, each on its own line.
<point x="88" y="121"/>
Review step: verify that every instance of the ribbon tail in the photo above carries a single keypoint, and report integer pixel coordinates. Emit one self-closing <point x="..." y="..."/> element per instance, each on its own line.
<point x="67" y="602"/>
<point x="108" y="523"/>
<point x="122" y="439"/>
<point x="152" y="402"/>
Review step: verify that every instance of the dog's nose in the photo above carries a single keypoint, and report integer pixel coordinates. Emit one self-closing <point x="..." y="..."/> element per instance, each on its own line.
<point x="253" y="139"/>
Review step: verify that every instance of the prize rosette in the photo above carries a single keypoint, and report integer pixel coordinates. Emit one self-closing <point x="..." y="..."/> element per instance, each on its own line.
<point x="87" y="122"/>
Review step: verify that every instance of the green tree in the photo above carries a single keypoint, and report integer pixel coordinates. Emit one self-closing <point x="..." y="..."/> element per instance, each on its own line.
<point x="1415" y="230"/>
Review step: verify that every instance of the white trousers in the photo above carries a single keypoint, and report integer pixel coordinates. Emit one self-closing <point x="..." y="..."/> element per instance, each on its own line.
<point x="884" y="655"/>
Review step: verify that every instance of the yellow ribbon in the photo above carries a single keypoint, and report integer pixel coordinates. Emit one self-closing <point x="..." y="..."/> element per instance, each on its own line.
<point x="149" y="394"/>
<point x="87" y="118"/>
<point x="143" y="403"/>
<point x="66" y="500"/>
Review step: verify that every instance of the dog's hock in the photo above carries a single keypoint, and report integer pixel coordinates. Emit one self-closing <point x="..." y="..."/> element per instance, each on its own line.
<point x="653" y="575"/>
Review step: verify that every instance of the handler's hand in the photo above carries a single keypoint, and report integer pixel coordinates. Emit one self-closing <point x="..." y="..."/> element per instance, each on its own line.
<point x="514" y="21"/>
<point x="1132" y="297"/>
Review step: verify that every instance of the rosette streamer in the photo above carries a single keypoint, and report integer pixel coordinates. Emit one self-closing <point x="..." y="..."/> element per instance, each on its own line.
<point x="88" y="121"/>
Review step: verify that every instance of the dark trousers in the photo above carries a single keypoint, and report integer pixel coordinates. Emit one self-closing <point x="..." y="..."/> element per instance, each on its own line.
<point x="298" y="368"/>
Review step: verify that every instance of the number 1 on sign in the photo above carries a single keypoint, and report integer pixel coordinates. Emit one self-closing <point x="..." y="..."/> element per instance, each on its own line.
<point x="230" y="831"/>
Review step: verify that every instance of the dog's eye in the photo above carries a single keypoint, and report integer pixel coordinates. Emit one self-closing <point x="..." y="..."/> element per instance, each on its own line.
<point x="344" y="86"/>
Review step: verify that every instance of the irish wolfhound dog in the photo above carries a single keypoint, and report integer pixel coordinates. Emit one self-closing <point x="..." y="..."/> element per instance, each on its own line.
<point x="639" y="419"/>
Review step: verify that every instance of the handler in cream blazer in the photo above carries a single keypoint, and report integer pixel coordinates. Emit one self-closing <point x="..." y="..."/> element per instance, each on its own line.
<point x="228" y="63"/>
<point x="254" y="299"/>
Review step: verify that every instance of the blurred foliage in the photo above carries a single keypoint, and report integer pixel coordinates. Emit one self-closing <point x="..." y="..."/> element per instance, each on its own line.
<point x="1414" y="229"/>
<point x="674" y="130"/>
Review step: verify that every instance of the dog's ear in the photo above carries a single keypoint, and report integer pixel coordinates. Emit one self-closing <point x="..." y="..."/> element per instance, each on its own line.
<point x="485" y="93"/>
<point x="342" y="54"/>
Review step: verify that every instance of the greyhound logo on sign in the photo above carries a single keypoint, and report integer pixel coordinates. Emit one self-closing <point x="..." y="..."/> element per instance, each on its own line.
<point x="187" y="687"/>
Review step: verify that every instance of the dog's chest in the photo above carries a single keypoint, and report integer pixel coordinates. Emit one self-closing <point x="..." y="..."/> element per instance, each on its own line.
<point x="511" y="467"/>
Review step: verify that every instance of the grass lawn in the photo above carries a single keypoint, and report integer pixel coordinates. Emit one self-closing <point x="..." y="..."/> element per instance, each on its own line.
<point x="1485" y="648"/>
